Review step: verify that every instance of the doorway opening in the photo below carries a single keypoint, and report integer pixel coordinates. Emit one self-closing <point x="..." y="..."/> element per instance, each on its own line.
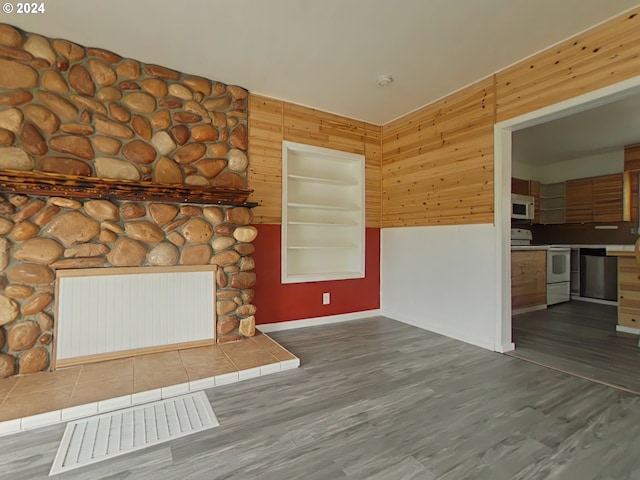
<point x="503" y="142"/>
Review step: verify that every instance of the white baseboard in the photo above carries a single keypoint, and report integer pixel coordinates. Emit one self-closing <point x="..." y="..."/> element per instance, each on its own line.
<point x="508" y="347"/>
<point x="312" y="322"/>
<point x="594" y="300"/>
<point x="622" y="328"/>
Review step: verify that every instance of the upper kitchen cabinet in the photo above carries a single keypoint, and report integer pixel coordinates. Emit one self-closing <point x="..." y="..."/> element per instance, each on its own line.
<point x="579" y="200"/>
<point x="608" y="198"/>
<point x="595" y="199"/>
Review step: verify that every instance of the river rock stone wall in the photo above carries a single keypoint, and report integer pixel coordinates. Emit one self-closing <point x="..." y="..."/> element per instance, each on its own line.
<point x="41" y="235"/>
<point x="73" y="110"/>
<point x="86" y="111"/>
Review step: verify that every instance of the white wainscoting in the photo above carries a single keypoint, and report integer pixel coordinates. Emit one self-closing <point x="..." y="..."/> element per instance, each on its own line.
<point x="442" y="279"/>
<point x="105" y="311"/>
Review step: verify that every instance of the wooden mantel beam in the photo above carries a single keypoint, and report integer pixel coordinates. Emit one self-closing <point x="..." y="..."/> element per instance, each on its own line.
<point x="57" y="185"/>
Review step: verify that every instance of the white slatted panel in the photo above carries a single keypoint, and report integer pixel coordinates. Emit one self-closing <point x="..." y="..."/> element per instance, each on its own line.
<point x="112" y="313"/>
<point x="97" y="438"/>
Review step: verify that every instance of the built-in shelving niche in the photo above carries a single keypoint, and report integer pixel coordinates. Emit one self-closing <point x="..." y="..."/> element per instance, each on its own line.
<point x="322" y="214"/>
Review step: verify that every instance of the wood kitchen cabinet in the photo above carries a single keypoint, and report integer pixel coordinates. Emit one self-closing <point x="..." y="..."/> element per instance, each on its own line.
<point x="595" y="199"/>
<point x="608" y="198"/>
<point x="528" y="279"/>
<point x="579" y="200"/>
<point x="628" y="292"/>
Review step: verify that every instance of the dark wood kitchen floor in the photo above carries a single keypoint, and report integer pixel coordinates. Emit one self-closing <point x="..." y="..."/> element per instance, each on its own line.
<point x="579" y="338"/>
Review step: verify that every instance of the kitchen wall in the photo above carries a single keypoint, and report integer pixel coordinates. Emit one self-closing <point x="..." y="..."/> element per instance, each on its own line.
<point x="591" y="166"/>
<point x="578" y="233"/>
<point x="441" y="158"/>
<point x="270" y="122"/>
<point x="588" y="166"/>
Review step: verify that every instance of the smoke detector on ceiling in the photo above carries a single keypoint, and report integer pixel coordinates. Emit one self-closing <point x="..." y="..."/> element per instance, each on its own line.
<point x="385" y="80"/>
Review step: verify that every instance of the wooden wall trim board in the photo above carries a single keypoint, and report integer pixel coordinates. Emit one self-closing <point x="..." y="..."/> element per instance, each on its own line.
<point x="272" y="121"/>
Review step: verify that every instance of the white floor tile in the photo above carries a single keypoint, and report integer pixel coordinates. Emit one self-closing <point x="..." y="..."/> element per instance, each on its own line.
<point x="80" y="411"/>
<point x="226" y="378"/>
<point x="41" y="420"/>
<point x="249" y="373"/>
<point x="271" y="368"/>
<point x="10" y="426"/>
<point x="146" y="397"/>
<point x="202" y="384"/>
<point x="175" y="390"/>
<point x="290" y="364"/>
<point x="114" y="403"/>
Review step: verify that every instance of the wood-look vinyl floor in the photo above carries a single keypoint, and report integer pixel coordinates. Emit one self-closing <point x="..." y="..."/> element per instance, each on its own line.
<point x="580" y="338"/>
<point x="379" y="399"/>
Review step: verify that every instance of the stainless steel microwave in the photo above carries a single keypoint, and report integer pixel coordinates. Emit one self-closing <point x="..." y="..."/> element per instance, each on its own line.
<point x="522" y="207"/>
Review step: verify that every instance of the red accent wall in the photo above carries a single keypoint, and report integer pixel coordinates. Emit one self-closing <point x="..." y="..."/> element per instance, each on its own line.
<point x="294" y="301"/>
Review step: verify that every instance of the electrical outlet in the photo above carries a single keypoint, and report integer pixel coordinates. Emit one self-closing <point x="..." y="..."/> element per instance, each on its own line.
<point x="326" y="298"/>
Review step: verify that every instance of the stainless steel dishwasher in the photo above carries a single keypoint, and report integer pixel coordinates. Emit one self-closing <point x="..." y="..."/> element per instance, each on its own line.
<point x="598" y="274"/>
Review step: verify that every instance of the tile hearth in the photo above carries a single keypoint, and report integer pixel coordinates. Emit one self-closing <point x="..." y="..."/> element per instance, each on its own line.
<point x="46" y="398"/>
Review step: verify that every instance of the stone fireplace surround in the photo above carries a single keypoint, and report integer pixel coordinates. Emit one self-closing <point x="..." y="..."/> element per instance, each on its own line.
<point x="69" y="113"/>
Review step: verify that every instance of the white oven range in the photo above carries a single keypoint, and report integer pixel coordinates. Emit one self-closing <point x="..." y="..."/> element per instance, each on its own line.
<point x="558" y="274"/>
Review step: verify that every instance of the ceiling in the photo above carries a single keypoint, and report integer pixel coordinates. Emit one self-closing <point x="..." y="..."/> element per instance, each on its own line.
<point x="599" y="130"/>
<point x="326" y="53"/>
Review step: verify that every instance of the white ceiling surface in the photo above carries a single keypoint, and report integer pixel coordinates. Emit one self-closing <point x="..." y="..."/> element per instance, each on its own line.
<point x="326" y="53"/>
<point x="599" y="130"/>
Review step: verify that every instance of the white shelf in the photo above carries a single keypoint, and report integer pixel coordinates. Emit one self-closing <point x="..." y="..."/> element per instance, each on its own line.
<point x="323" y="214"/>
<point x="328" y="181"/>
<point x="323" y="206"/>
<point x="306" y="277"/>
<point x="552" y="203"/>
<point x="324" y="224"/>
<point x="312" y="247"/>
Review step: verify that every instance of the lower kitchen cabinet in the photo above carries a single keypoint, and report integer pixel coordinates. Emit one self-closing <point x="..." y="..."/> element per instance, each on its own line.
<point x="628" y="292"/>
<point x="528" y="279"/>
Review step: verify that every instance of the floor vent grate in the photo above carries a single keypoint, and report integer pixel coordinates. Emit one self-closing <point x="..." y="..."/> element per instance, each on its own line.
<point x="105" y="436"/>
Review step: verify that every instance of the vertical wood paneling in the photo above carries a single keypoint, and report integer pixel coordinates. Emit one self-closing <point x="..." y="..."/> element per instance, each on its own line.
<point x="322" y="129"/>
<point x="601" y="56"/>
<point x="111" y="313"/>
<point x="265" y="157"/>
<point x="373" y="175"/>
<point x="437" y="163"/>
<point x="632" y="169"/>
<point x="272" y="121"/>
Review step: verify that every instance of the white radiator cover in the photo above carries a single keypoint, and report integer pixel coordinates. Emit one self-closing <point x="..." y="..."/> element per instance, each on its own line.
<point x="103" y="311"/>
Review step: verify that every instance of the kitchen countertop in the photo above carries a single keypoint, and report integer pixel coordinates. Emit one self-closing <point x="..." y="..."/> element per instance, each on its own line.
<point x="608" y="247"/>
<point x="618" y="250"/>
